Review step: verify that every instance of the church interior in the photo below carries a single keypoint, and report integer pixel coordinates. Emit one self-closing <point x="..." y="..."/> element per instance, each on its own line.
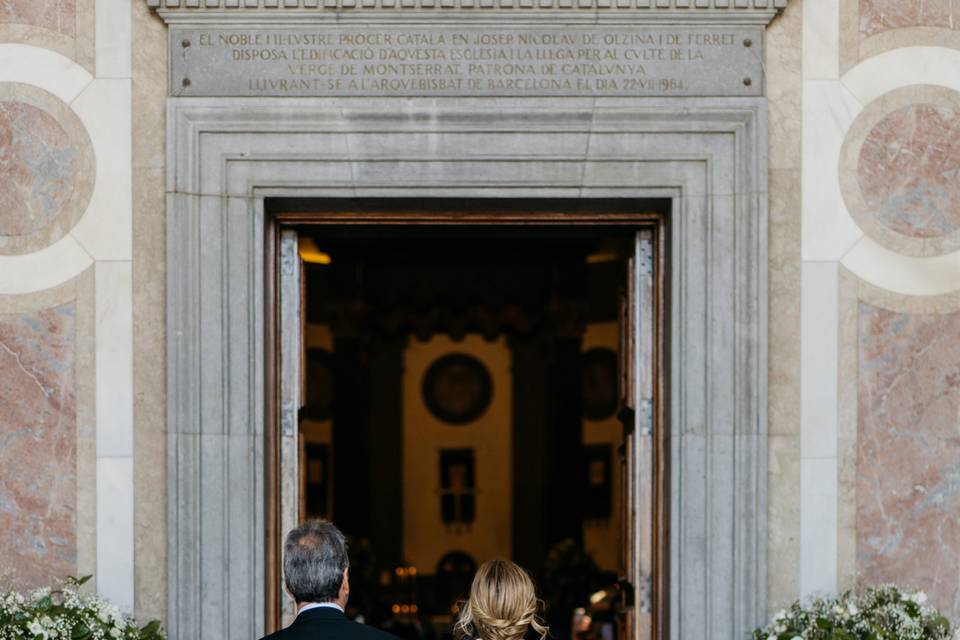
<point x="461" y="404"/>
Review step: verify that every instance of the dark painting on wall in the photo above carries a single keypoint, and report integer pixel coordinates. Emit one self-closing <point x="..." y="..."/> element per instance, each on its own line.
<point x="457" y="388"/>
<point x="599" y="460"/>
<point x="599" y="384"/>
<point x="457" y="486"/>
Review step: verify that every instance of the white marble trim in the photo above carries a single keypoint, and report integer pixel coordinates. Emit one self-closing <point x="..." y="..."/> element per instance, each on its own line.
<point x="115" y="530"/>
<point x="114" y="45"/>
<point x="903" y="67"/>
<point x="907" y="275"/>
<point x="59" y="263"/>
<point x="821" y="39"/>
<point x="106" y="229"/>
<point x="53" y="72"/>
<point x="114" y="358"/>
<point x="818" y="428"/>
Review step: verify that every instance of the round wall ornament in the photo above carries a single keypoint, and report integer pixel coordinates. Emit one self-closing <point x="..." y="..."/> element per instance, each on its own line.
<point x="457" y="388"/>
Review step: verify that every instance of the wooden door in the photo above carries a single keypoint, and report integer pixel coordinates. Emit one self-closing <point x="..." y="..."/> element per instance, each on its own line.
<point x="638" y="535"/>
<point x="291" y="390"/>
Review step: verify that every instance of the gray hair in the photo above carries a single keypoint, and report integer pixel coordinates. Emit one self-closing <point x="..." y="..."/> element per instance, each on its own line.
<point x="314" y="557"/>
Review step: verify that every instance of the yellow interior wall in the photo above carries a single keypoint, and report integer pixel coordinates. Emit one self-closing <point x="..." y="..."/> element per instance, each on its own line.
<point x="318" y="336"/>
<point x="425" y="538"/>
<point x="601" y="537"/>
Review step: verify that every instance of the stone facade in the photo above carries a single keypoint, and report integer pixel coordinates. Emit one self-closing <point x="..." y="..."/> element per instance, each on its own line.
<point x="863" y="257"/>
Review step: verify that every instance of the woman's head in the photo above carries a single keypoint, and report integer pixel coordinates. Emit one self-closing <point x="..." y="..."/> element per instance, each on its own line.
<point x="503" y="604"/>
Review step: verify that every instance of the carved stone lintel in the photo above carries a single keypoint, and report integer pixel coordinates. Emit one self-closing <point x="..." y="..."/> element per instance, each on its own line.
<point x="277" y="12"/>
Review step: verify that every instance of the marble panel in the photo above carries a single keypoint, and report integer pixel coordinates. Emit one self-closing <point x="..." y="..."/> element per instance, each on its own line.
<point x="55" y="15"/>
<point x="63" y="26"/>
<point x="38" y="166"/>
<point x="909" y="170"/>
<point x="908" y="447"/>
<point x="38" y="445"/>
<point x="879" y="16"/>
<point x="899" y="168"/>
<point x="46" y="168"/>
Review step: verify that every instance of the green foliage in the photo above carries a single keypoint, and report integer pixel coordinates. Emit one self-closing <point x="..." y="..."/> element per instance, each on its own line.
<point x="878" y="613"/>
<point x="66" y="614"/>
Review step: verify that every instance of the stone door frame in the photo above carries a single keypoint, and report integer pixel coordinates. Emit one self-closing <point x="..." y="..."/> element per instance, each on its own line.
<point x="225" y="156"/>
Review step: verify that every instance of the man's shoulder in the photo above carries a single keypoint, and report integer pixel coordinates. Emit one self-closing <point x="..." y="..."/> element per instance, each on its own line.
<point x="342" y="627"/>
<point x="368" y="632"/>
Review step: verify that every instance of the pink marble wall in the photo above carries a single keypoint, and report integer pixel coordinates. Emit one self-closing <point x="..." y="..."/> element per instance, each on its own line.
<point x="878" y="16"/>
<point x="38" y="167"/>
<point x="909" y="170"/>
<point x="38" y="443"/>
<point x="56" y="15"/>
<point x="908" y="453"/>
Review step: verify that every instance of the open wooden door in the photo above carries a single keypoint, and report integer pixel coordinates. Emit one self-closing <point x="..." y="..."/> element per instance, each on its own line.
<point x="291" y="390"/>
<point x="637" y="374"/>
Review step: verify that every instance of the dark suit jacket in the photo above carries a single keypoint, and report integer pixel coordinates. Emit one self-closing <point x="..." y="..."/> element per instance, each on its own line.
<point x="326" y="623"/>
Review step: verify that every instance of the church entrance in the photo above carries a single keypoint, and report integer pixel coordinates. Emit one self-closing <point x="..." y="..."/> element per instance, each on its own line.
<point x="455" y="385"/>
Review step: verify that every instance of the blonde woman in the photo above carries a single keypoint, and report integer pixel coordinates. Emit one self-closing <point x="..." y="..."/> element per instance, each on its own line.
<point x="503" y="605"/>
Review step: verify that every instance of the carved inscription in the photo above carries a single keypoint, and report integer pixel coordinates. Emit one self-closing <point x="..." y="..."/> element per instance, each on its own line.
<point x="450" y="61"/>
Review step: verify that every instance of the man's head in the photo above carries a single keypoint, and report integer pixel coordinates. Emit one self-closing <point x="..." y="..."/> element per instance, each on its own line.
<point x="315" y="563"/>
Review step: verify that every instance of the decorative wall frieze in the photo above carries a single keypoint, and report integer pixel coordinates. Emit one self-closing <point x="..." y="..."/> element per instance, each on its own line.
<point x="593" y="11"/>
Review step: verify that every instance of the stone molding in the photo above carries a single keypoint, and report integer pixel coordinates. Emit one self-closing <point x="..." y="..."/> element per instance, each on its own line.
<point x="226" y="156"/>
<point x="266" y="12"/>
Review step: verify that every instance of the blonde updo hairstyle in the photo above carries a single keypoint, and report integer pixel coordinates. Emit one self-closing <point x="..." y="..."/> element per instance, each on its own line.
<point x="503" y="605"/>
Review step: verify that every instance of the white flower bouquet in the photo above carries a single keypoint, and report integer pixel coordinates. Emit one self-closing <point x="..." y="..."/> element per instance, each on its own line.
<point x="66" y="614"/>
<point x="878" y="613"/>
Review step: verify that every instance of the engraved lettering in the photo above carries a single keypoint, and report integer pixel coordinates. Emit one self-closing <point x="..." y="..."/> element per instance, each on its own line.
<point x="461" y="60"/>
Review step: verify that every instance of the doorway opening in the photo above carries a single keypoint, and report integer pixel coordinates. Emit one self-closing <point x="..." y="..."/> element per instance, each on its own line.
<point x="466" y="389"/>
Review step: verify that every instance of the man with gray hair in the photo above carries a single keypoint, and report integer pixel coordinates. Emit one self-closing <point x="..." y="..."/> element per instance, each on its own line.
<point x="316" y="575"/>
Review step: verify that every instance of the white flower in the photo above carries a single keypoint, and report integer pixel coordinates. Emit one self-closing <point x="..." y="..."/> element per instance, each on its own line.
<point x="920" y="597"/>
<point x="780" y="615"/>
<point x="108" y="612"/>
<point x="37" y="630"/>
<point x="852" y="609"/>
<point x="115" y="632"/>
<point x="39" y="594"/>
